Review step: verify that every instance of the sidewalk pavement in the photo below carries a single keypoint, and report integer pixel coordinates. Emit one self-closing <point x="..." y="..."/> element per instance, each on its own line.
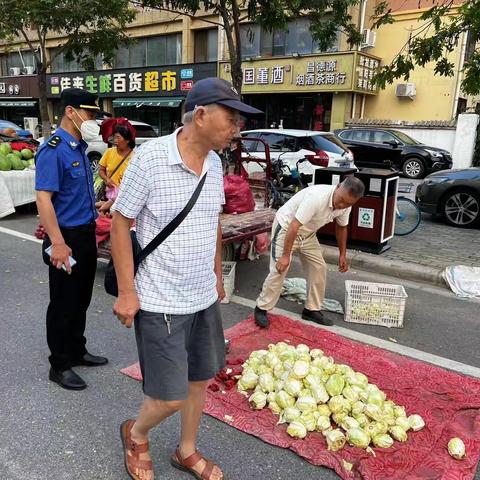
<point x="420" y="256"/>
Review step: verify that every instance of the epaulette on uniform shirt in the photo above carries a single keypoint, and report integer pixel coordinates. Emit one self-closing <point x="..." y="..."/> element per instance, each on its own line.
<point x="54" y="141"/>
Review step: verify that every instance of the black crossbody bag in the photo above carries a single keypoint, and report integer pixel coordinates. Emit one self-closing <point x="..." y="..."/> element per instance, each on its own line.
<point x="110" y="281"/>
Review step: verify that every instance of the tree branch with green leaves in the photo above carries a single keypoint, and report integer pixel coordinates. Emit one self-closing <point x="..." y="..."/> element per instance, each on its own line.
<point x="441" y="30"/>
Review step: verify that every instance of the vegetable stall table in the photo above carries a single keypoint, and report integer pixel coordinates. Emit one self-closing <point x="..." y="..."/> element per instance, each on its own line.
<point x="16" y="188"/>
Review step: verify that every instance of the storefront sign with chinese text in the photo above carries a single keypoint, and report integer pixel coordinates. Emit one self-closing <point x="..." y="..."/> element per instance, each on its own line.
<point x="149" y="81"/>
<point x="366" y="69"/>
<point x="24" y="86"/>
<point x="323" y="72"/>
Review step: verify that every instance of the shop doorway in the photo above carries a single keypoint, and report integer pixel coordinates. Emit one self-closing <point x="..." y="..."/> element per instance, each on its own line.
<point x="305" y="112"/>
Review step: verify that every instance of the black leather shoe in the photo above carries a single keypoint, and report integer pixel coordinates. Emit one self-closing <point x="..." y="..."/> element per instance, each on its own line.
<point x="261" y="317"/>
<point x="89" y="360"/>
<point x="67" y="379"/>
<point x="316" y="316"/>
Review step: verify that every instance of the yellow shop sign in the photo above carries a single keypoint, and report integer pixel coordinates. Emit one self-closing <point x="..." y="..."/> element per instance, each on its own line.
<point x="317" y="73"/>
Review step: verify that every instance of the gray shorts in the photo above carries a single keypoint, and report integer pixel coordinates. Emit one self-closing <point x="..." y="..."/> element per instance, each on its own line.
<point x="193" y="351"/>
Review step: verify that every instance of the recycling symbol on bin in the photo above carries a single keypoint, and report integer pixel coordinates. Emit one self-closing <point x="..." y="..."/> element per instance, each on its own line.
<point x="366" y="217"/>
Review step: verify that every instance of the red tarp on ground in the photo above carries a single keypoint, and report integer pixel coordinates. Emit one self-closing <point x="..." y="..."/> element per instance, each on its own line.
<point x="448" y="402"/>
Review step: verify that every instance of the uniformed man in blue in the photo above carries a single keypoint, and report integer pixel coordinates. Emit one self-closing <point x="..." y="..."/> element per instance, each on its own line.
<point x="66" y="204"/>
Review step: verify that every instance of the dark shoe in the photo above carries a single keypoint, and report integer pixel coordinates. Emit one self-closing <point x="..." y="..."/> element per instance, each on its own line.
<point x="67" y="379"/>
<point x="89" y="360"/>
<point x="316" y="316"/>
<point x="261" y="317"/>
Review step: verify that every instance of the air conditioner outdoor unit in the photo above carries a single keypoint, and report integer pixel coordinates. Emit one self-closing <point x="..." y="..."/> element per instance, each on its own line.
<point x="406" y="90"/>
<point x="369" y="38"/>
<point x="15" y="71"/>
<point x="29" y="69"/>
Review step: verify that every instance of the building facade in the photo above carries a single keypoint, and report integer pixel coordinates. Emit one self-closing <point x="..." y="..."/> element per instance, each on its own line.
<point x="284" y="72"/>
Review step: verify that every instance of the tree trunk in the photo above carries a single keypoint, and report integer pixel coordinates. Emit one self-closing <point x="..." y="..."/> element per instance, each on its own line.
<point x="233" y="48"/>
<point x="42" y="100"/>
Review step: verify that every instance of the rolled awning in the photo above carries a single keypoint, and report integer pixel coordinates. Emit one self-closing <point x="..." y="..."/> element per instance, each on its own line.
<point x="17" y="103"/>
<point x="148" y="102"/>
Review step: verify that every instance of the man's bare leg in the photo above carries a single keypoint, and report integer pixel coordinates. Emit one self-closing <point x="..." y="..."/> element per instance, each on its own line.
<point x="151" y="414"/>
<point x="191" y="414"/>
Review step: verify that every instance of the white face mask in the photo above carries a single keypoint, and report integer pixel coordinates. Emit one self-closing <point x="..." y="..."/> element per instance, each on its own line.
<point x="89" y="129"/>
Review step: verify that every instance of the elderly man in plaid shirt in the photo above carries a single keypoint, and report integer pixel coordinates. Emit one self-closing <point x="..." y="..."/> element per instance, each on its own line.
<point x="173" y="299"/>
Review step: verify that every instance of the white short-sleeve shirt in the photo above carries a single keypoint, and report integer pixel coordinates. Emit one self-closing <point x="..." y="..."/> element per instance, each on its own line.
<point x="178" y="277"/>
<point x="313" y="208"/>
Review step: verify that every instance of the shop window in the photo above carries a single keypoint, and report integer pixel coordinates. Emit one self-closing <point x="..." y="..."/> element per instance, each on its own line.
<point x="164" y="49"/>
<point x="206" y="45"/>
<point x="60" y="63"/>
<point x="250" y="40"/>
<point x="296" y="38"/>
<point x="21" y="60"/>
<point x="138" y="54"/>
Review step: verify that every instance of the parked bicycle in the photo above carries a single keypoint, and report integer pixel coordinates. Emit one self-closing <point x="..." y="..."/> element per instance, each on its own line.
<point x="407" y="215"/>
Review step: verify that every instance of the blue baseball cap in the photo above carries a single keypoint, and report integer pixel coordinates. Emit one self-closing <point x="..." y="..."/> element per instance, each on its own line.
<point x="216" y="90"/>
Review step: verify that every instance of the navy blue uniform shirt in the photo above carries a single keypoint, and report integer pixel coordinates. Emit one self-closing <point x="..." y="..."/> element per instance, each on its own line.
<point x="63" y="168"/>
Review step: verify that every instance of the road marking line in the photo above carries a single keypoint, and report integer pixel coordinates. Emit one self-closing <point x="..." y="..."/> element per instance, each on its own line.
<point x="31" y="238"/>
<point x="24" y="236"/>
<point x="376" y="342"/>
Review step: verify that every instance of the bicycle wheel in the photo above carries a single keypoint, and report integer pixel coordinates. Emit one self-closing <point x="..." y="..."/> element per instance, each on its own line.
<point x="407" y="216"/>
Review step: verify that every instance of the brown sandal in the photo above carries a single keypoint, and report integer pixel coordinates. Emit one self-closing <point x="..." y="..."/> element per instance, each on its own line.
<point x="187" y="464"/>
<point x="133" y="462"/>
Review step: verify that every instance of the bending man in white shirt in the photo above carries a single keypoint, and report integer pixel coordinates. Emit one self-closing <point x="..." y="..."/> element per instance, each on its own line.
<point x="294" y="230"/>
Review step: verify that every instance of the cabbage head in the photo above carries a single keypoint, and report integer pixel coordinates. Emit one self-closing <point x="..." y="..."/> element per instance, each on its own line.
<point x="309" y="420"/>
<point x="358" y="438"/>
<point x="335" y="439"/>
<point x="301" y="369"/>
<point x="382" y="440"/>
<point x="456" y="448"/>
<point x="266" y="382"/>
<point x="284" y="400"/>
<point x="324" y="410"/>
<point x="258" y="400"/>
<point x="290" y="414"/>
<point x="416" y="422"/>
<point x="373" y="411"/>
<point x="339" y="404"/>
<point x="293" y="387"/>
<point x="323" y="423"/>
<point x="319" y="393"/>
<point x="398" y="433"/>
<point x="350" y="394"/>
<point x="306" y="404"/>
<point x="335" y="384"/>
<point x="297" y="430"/>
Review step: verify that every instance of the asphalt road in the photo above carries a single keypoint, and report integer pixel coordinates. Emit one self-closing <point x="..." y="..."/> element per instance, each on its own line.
<point x="50" y="433"/>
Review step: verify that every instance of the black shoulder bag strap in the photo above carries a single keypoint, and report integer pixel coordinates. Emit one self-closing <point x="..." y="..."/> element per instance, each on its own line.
<point x="170" y="228"/>
<point x="120" y="164"/>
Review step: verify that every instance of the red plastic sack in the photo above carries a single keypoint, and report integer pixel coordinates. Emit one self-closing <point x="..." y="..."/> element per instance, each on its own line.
<point x="238" y="196"/>
<point x="261" y="243"/>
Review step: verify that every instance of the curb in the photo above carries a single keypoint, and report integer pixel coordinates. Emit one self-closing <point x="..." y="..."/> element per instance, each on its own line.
<point x="393" y="268"/>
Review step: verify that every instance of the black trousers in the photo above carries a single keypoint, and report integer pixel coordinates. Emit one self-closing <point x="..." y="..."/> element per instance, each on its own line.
<point x="70" y="297"/>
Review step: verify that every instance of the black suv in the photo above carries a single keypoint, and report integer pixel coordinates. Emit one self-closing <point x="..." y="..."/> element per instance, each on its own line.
<point x="384" y="148"/>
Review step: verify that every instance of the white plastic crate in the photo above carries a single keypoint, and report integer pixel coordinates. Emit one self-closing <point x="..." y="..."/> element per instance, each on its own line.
<point x="228" y="273"/>
<point x="375" y="303"/>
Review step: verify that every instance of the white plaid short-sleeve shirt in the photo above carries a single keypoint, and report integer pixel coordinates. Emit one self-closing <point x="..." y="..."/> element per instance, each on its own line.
<point x="178" y="277"/>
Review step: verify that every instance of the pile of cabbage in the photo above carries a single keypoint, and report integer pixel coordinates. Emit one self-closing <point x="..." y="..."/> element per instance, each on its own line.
<point x="311" y="393"/>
